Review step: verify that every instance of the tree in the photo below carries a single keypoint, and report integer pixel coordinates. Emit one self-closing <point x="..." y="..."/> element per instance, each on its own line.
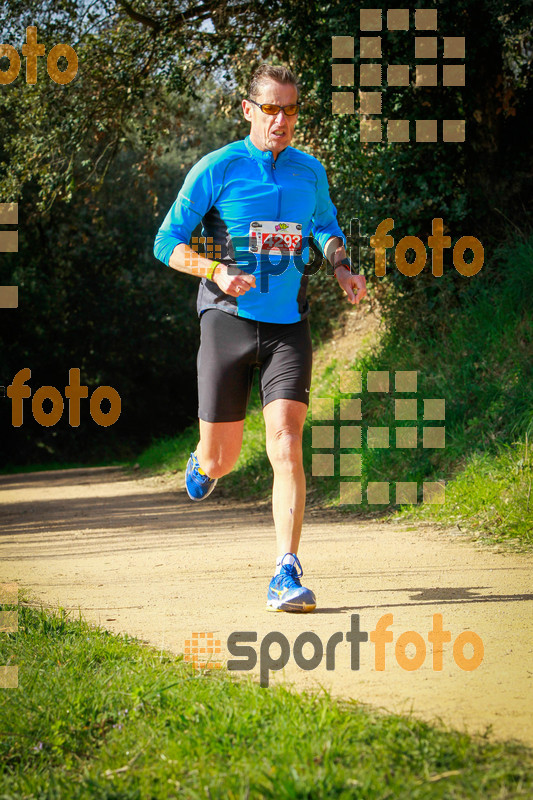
<point x="95" y="163"/>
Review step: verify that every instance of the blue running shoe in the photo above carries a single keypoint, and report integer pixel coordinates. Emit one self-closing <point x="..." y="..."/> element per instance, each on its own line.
<point x="198" y="484"/>
<point x="286" y="593"/>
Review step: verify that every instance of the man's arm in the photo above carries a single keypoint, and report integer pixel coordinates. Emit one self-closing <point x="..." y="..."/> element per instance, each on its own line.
<point x="171" y="243"/>
<point x="331" y="239"/>
<point x="230" y="279"/>
<point x="352" y="285"/>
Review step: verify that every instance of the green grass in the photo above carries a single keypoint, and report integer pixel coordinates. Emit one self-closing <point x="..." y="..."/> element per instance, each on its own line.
<point x="491" y="495"/>
<point x="102" y="716"/>
<point x="170" y="454"/>
<point x="479" y="357"/>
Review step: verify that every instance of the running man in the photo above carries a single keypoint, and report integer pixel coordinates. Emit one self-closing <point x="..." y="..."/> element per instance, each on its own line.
<point x="252" y="196"/>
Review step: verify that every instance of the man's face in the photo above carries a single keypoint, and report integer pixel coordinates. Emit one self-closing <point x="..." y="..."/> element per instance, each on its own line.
<point x="268" y="132"/>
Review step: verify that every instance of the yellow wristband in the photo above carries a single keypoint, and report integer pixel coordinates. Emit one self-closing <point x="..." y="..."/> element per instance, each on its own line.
<point x="212" y="270"/>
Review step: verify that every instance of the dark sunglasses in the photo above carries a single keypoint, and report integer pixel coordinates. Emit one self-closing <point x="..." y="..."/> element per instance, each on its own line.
<point x="272" y="110"/>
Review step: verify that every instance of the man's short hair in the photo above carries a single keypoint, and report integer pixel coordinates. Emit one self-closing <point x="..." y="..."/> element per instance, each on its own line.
<point x="267" y="72"/>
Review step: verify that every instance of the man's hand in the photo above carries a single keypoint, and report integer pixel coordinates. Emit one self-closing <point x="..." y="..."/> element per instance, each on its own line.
<point x="352" y="285"/>
<point x="228" y="277"/>
<point x="232" y="280"/>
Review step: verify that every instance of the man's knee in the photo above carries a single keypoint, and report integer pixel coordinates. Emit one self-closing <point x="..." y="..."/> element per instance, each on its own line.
<point x="284" y="448"/>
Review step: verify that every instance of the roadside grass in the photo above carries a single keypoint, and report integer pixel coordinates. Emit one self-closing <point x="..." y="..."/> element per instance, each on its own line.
<point x="478" y="358"/>
<point x="102" y="716"/>
<point x="168" y="454"/>
<point x="491" y="496"/>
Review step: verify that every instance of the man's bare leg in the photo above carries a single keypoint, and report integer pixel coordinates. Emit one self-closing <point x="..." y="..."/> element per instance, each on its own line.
<point x="284" y="424"/>
<point x="284" y="421"/>
<point x="219" y="446"/>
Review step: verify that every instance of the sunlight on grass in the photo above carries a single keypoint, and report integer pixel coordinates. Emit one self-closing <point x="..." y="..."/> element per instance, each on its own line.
<point x="100" y="715"/>
<point x="491" y="495"/>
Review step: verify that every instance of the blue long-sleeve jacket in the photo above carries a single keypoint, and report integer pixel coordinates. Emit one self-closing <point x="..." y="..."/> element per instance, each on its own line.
<point x="241" y="194"/>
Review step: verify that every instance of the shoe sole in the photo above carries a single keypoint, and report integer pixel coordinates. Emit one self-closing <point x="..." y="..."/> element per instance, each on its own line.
<point x="300" y="608"/>
<point x="199" y="499"/>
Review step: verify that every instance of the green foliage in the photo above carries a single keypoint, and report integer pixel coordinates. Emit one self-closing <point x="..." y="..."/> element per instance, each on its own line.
<point x="98" y="300"/>
<point x="468" y="184"/>
<point x="93" y="297"/>
<point x="96" y="163"/>
<point x="134" y="58"/>
<point x="98" y="715"/>
<point x="69" y="136"/>
<point x="478" y="356"/>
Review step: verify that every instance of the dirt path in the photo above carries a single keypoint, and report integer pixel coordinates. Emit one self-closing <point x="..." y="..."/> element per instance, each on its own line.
<point x="137" y="556"/>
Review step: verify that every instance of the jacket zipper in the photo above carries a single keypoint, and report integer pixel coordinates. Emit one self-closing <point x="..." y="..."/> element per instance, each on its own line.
<point x="277" y="187"/>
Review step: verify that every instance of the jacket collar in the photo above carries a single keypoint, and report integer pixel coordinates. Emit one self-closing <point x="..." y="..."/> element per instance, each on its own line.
<point x="266" y="156"/>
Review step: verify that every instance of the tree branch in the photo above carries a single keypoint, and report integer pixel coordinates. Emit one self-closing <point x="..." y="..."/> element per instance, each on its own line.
<point x="137" y="17"/>
<point x="197" y="13"/>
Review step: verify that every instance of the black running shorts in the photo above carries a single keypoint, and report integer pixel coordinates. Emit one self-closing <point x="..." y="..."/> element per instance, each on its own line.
<point x="232" y="347"/>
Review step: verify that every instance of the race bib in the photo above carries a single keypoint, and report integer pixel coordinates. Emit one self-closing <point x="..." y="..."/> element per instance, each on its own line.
<point x="286" y="237"/>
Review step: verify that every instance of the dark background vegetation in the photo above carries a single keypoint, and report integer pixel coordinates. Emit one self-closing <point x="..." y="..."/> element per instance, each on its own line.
<point x="95" y="164"/>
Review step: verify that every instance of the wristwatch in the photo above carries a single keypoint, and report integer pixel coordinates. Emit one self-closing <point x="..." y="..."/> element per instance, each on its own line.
<point x="344" y="263"/>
